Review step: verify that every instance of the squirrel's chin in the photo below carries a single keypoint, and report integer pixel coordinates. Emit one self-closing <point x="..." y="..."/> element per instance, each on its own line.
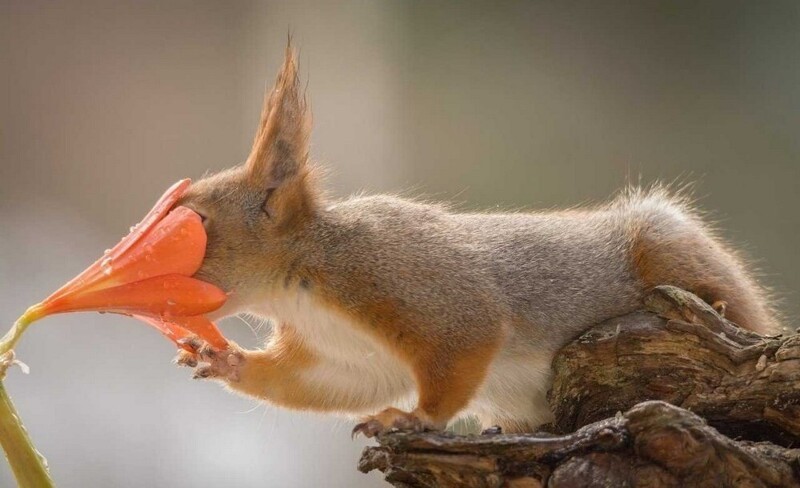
<point x="233" y="306"/>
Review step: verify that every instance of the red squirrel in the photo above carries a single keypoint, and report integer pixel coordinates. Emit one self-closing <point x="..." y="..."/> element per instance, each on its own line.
<point x="381" y="302"/>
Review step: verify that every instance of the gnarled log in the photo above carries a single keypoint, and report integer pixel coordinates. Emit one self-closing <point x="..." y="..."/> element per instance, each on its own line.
<point x="720" y="383"/>
<point x="682" y="352"/>
<point x="653" y="444"/>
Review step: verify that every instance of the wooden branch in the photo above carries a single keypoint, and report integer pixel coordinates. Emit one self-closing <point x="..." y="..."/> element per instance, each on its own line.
<point x="726" y="383"/>
<point x="743" y="384"/>
<point x="653" y="444"/>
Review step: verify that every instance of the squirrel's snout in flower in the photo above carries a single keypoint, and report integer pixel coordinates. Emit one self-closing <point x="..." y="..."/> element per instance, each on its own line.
<point x="148" y="275"/>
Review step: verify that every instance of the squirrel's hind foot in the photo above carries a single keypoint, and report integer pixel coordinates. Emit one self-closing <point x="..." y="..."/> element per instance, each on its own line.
<point x="391" y="419"/>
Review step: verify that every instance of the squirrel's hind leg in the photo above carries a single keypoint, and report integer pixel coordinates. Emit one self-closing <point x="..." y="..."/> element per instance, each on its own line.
<point x="446" y="383"/>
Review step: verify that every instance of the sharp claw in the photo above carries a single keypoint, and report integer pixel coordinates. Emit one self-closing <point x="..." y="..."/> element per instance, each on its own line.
<point x="202" y="373"/>
<point x="194" y="342"/>
<point x="358" y="429"/>
<point x="368" y="429"/>
<point x="185" y="358"/>
<point x="189" y="361"/>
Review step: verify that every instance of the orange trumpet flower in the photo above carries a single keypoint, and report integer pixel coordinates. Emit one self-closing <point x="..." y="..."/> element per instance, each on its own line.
<point x="148" y="275"/>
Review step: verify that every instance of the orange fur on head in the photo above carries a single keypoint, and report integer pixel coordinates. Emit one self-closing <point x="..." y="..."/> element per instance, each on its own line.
<point x="253" y="212"/>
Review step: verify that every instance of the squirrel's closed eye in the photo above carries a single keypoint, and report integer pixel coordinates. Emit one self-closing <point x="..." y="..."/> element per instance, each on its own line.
<point x="265" y="205"/>
<point x="203" y="217"/>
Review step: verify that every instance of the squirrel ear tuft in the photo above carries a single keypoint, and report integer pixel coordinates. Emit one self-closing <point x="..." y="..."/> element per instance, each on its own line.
<point x="278" y="161"/>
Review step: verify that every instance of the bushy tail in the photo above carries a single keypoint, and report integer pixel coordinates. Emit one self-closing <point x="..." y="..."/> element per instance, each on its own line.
<point x="673" y="245"/>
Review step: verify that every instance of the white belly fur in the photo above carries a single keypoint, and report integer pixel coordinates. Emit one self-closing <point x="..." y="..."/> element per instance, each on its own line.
<point x="514" y="390"/>
<point x="356" y="365"/>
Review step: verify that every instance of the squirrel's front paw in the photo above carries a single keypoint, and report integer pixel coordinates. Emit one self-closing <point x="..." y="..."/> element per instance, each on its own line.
<point x="391" y="419"/>
<point x="210" y="363"/>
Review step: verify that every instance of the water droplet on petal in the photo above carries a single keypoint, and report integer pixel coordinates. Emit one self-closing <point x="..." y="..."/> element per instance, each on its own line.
<point x="171" y="303"/>
<point x="148" y="253"/>
<point x="105" y="265"/>
<point x="107" y="252"/>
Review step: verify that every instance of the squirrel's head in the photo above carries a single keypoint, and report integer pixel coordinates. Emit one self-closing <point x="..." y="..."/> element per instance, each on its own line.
<point x="253" y="213"/>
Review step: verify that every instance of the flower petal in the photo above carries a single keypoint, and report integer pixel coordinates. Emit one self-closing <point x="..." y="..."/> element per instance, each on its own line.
<point x="175" y="245"/>
<point x="95" y="276"/>
<point x="204" y="328"/>
<point x="148" y="275"/>
<point x="177" y="328"/>
<point x="159" y="210"/>
<point x="168" y="295"/>
<point x="170" y="330"/>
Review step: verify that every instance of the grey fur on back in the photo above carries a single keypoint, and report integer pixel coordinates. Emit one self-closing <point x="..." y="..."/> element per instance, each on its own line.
<point x="560" y="273"/>
<point x="549" y="274"/>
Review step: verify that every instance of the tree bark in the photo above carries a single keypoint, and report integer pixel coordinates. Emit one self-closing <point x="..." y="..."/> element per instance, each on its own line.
<point x="726" y="413"/>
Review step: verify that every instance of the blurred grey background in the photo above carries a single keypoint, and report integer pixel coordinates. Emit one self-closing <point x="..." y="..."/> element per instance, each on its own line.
<point x="104" y="104"/>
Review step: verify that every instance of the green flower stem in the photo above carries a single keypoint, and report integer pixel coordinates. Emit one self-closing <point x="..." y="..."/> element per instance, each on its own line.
<point x="28" y="465"/>
<point x="11" y="338"/>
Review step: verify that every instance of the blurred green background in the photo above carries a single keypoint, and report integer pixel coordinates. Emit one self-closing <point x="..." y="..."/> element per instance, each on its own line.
<point x="507" y="104"/>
